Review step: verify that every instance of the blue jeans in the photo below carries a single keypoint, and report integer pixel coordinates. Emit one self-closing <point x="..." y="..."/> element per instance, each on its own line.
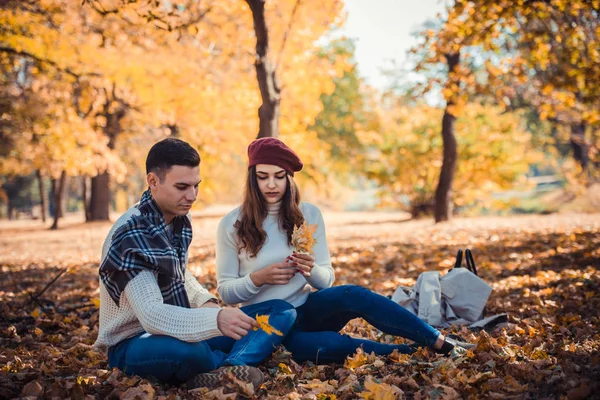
<point x="315" y="336"/>
<point x="171" y="360"/>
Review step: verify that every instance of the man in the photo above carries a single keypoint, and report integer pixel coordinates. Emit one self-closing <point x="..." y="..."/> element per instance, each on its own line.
<point x="155" y="319"/>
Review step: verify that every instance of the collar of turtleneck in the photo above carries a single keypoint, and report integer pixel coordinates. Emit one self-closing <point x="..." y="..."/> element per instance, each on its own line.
<point x="273" y="209"/>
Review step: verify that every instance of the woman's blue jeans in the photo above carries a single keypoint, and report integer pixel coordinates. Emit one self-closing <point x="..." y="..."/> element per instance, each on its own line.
<point x="315" y="336"/>
<point x="174" y="361"/>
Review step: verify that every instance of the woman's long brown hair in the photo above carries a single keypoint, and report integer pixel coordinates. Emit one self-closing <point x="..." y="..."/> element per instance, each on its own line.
<point x="254" y="210"/>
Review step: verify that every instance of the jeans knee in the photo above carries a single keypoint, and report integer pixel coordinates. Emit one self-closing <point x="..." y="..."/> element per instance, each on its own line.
<point x="276" y="305"/>
<point x="353" y="290"/>
<point x="283" y="320"/>
<point x="289" y="317"/>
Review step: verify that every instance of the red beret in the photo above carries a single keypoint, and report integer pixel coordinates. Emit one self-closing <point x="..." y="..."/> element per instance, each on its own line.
<point x="273" y="152"/>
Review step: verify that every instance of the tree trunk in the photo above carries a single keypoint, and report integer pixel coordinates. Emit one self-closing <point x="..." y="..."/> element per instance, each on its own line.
<point x="57" y="208"/>
<point x="100" y="187"/>
<point x="85" y="198"/>
<point x="268" y="112"/>
<point x="579" y="145"/>
<point x="10" y="209"/>
<point x="59" y="188"/>
<point x="443" y="192"/>
<point x="42" y="194"/>
<point x="100" y="197"/>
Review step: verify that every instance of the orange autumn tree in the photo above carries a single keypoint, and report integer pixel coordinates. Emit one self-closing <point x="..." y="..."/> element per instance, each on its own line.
<point x="134" y="72"/>
<point x="48" y="132"/>
<point x="406" y="162"/>
<point x="225" y="47"/>
<point x="547" y="47"/>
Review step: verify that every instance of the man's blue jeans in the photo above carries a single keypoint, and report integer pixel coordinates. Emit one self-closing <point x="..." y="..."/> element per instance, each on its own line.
<point x="174" y="361"/>
<point x="315" y="336"/>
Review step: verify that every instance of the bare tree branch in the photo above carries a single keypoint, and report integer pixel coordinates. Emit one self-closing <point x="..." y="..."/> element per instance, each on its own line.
<point x="286" y="34"/>
<point x="27" y="54"/>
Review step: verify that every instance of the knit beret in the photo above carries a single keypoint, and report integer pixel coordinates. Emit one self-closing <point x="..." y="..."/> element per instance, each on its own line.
<point x="272" y="151"/>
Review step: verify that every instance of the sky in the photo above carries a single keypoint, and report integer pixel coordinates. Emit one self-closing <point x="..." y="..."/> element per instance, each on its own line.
<point x="382" y="32"/>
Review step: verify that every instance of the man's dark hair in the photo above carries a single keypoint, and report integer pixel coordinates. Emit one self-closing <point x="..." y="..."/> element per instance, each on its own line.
<point x="169" y="152"/>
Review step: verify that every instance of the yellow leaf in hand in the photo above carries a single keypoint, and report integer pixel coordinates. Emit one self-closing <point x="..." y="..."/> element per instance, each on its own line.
<point x="303" y="239"/>
<point x="263" y="322"/>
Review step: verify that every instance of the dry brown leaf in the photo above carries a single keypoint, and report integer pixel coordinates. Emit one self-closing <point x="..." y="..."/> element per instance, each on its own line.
<point x="380" y="391"/>
<point x="141" y="392"/>
<point x="32" y="389"/>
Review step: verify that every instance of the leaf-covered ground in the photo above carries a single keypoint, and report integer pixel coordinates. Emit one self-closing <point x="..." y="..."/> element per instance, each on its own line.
<point x="544" y="270"/>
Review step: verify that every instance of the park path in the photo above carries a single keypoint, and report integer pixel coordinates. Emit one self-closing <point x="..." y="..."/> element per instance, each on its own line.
<point x="77" y="242"/>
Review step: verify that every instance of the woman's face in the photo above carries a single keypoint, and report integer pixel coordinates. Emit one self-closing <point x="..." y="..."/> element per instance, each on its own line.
<point x="272" y="182"/>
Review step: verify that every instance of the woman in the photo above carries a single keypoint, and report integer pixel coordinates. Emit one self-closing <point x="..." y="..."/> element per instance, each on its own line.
<point x="256" y="262"/>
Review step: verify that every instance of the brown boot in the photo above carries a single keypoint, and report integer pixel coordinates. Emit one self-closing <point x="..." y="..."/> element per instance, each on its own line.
<point x="213" y="378"/>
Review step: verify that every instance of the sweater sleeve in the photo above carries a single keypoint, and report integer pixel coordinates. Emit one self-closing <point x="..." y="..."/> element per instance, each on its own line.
<point x="157" y="318"/>
<point x="197" y="294"/>
<point x="232" y="288"/>
<point x="322" y="274"/>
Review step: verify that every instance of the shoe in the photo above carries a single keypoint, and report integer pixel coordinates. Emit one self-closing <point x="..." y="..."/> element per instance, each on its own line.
<point x="242" y="372"/>
<point x="451" y="344"/>
<point x="457" y="341"/>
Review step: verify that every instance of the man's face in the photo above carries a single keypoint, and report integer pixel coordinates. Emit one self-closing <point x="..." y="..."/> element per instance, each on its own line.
<point x="272" y="182"/>
<point x="177" y="191"/>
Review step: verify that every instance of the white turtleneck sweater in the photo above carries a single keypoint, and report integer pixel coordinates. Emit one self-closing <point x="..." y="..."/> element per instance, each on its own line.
<point x="234" y="267"/>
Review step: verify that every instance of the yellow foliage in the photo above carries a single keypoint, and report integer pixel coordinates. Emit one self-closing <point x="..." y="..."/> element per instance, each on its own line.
<point x="263" y="323"/>
<point x="303" y="239"/>
<point x="494" y="152"/>
<point x="199" y="79"/>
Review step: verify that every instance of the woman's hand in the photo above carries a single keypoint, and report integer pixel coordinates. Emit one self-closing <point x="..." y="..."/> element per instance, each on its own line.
<point x="303" y="262"/>
<point x="274" y="274"/>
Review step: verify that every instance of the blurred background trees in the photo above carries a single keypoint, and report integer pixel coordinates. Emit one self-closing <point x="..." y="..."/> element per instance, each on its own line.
<point x="505" y="91"/>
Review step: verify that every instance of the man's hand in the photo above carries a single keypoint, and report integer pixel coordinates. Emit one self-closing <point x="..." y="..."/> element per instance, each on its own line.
<point x="234" y="323"/>
<point x="274" y="274"/>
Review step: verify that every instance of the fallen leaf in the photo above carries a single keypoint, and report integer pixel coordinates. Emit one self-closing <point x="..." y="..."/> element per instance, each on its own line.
<point x="32" y="389"/>
<point x="380" y="391"/>
<point x="141" y="392"/>
<point x="359" y="358"/>
<point x="263" y="322"/>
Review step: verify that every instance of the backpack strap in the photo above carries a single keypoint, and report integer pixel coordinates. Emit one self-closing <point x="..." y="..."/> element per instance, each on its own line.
<point x="459" y="257"/>
<point x="470" y="262"/>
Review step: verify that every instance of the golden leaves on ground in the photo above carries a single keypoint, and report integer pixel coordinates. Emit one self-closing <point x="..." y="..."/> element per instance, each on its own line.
<point x="543" y="270"/>
<point x="303" y="239"/>
<point x="263" y="322"/>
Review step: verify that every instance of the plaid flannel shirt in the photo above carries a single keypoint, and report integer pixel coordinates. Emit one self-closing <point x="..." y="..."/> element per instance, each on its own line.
<point x="143" y="243"/>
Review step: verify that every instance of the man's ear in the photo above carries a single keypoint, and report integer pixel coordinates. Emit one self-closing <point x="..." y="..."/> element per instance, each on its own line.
<point x="152" y="180"/>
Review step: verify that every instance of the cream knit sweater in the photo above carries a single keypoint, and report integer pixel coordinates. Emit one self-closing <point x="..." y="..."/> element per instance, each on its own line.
<point x="141" y="307"/>
<point x="234" y="268"/>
